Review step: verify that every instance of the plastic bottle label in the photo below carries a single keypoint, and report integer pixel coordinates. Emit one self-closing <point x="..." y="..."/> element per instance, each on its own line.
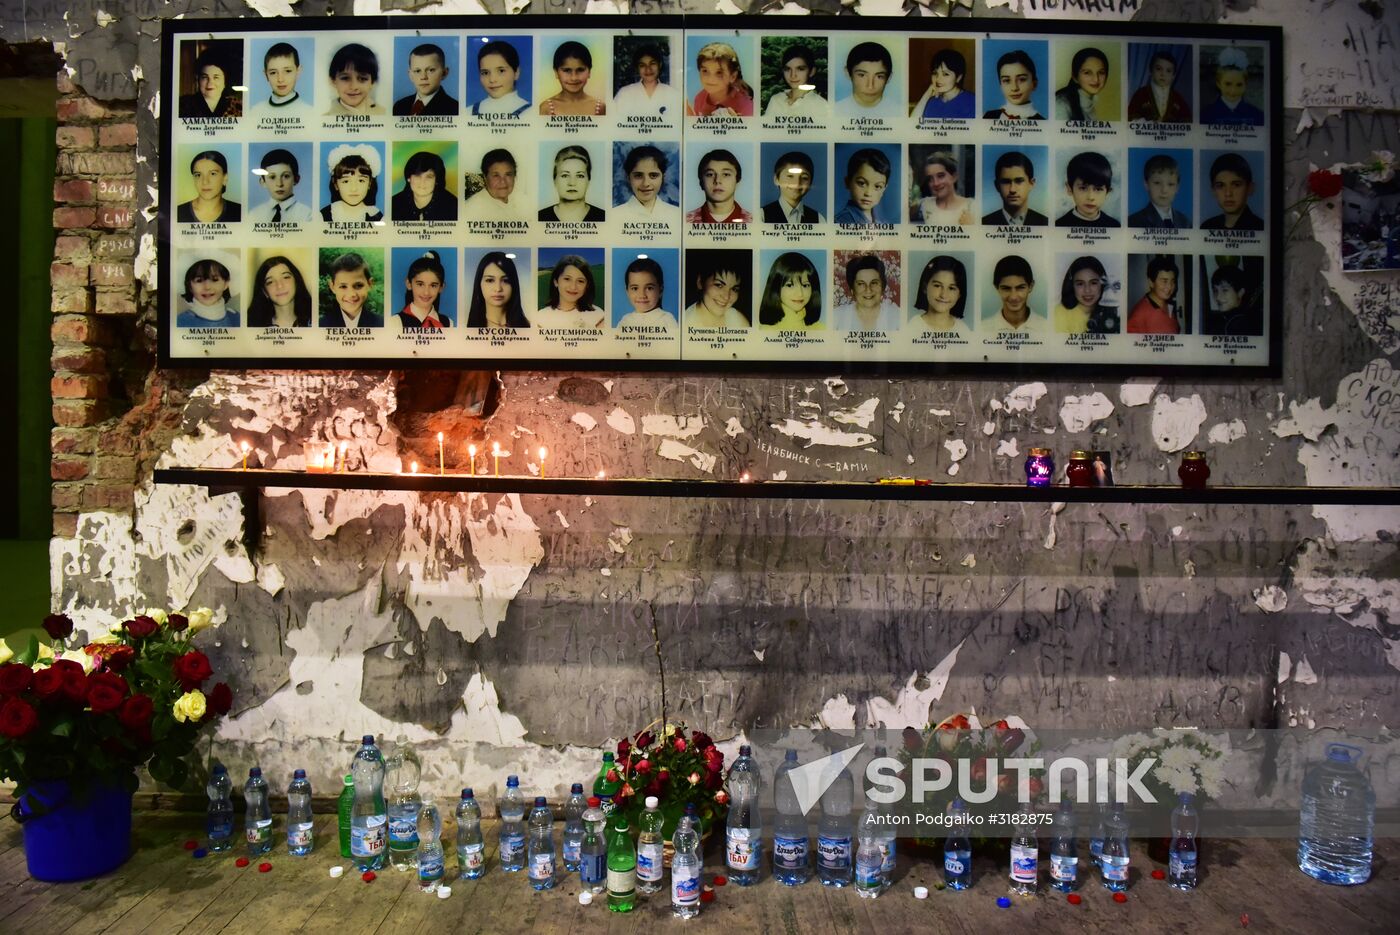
<point x="220" y="829"/>
<point x="1025" y="864"/>
<point x="299" y="835"/>
<point x="953" y="866"/>
<point x="790" y="853"/>
<point x="367" y="840"/>
<point x="542" y="867"/>
<point x="685" y="886"/>
<point x="403" y="833"/>
<point x="887" y="856"/>
<point x="592" y="868"/>
<point x="1182" y="863"/>
<point x="1064" y="868"/>
<point x="511" y="846"/>
<point x="868" y="874"/>
<point x="471" y="857"/>
<point x="605" y="802"/>
<point x="622" y="882"/>
<point x="739" y="852"/>
<point x="833" y="853"/>
<point x="651" y="862"/>
<point x="430" y="869"/>
<point x="1115" y="869"/>
<point x="260" y="833"/>
<point x="573" y="849"/>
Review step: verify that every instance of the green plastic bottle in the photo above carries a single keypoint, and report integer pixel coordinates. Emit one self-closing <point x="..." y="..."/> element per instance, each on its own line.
<point x="606" y="788"/>
<point x="622" y="866"/>
<point x="343" y="807"/>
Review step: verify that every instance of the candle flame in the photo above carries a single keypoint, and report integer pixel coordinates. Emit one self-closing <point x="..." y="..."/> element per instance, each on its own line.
<point x="413" y="467"/>
<point x="471" y="450"/>
<point x="496" y="448"/>
<point x="244" y="446"/>
<point x="543" y="451"/>
<point x="439" y="438"/>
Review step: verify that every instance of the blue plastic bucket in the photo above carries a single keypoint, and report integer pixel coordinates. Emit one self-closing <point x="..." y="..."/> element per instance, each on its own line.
<point x="73" y="835"/>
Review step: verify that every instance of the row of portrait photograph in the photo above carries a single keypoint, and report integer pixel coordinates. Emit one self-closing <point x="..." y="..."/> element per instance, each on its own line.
<point x="868" y="184"/>
<point x="517" y="75"/>
<point x="659" y="293"/>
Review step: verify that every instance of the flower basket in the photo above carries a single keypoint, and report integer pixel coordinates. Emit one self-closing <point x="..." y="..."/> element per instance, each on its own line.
<point x="680" y="768"/>
<point x="77" y="722"/>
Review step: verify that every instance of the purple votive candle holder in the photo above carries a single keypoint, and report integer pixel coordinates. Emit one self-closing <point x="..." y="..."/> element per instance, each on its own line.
<point x="1040" y="467"/>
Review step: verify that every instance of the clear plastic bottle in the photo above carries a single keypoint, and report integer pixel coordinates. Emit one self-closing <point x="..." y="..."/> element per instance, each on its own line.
<point x="1064" y="850"/>
<point x="792" y="862"/>
<point x="622" y="866"/>
<point x="1025" y="855"/>
<point x="1101" y="810"/>
<point x="651" y="849"/>
<point x="300" y="822"/>
<point x="869" y="860"/>
<point x="402" y="773"/>
<point x="257" y="817"/>
<point x="471" y="848"/>
<point x="1186" y="824"/>
<point x="370" y="816"/>
<point x="685" y="871"/>
<point x="512" y="831"/>
<point x="218" y="822"/>
<point x="1336" y="824"/>
<point x="834" y="831"/>
<point x="429" y="858"/>
<point x="884" y="830"/>
<point x="344" y="808"/>
<point x="593" y="851"/>
<point x="573" y="827"/>
<point x="743" y="835"/>
<point x="541" y="845"/>
<point x="957" y="849"/>
<point x="1116" y="859"/>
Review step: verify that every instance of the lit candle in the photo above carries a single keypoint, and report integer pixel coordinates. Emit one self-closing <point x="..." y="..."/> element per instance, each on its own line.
<point x="602" y="475"/>
<point x="342" y="462"/>
<point x="244" y="446"/>
<point x="471" y="451"/>
<point x="413" y="467"/>
<point x="440" y="467"/>
<point x="543" y="452"/>
<point x="496" y="453"/>
<point x="744" y="477"/>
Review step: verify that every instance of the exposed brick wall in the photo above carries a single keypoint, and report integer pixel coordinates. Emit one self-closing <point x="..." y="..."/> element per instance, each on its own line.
<point x="113" y="412"/>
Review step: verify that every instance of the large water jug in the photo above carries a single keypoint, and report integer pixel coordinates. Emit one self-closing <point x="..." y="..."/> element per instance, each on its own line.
<point x="1337" y="818"/>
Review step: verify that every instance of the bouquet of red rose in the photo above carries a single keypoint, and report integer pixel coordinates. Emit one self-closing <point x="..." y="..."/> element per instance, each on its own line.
<point x="132" y="697"/>
<point x="678" y="769"/>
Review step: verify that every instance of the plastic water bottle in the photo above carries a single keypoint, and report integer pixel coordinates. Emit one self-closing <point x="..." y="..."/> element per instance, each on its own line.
<point x="622" y="866"/>
<point x="299" y="821"/>
<point x="471" y="849"/>
<point x="573" y="827"/>
<point x="370" y="816"/>
<point x="402" y="772"/>
<point x="1181" y="866"/>
<point x="883" y="829"/>
<point x="743" y="835"/>
<point x="834" y="831"/>
<point x="792" y="864"/>
<point x="651" y="849"/>
<point x="218" y="823"/>
<point x="1096" y="842"/>
<point x="1025" y="855"/>
<point x="512" y="831"/>
<point x="429" y="856"/>
<point x="344" y="807"/>
<point x="869" y="860"/>
<point x="541" y="845"/>
<point x="607" y="784"/>
<point x="1115" y="850"/>
<point x="1064" y="850"/>
<point x="685" y="871"/>
<point x="1337" y="820"/>
<point x="957" y="849"/>
<point x="593" y="851"/>
<point x="257" y="818"/>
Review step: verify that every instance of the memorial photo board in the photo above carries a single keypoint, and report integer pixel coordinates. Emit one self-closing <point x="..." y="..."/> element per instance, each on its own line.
<point x="676" y="193"/>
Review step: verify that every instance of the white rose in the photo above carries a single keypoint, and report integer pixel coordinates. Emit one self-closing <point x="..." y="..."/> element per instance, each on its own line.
<point x="157" y="615"/>
<point x="200" y="619"/>
<point x="81" y="658"/>
<point x="6" y="653"/>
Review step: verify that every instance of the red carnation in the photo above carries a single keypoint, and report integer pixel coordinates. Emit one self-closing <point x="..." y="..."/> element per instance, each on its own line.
<point x="15" y="678"/>
<point x="1324" y="184"/>
<point x="72" y="680"/>
<point x="624" y="747"/>
<point x="701" y="740"/>
<point x="17" y="718"/>
<point x="141" y="627"/>
<point x="58" y="626"/>
<point x="106" y="692"/>
<point x="220" y="698"/>
<point x="645" y="739"/>
<point x="136" y="712"/>
<point x="192" y="669"/>
<point x="177" y="623"/>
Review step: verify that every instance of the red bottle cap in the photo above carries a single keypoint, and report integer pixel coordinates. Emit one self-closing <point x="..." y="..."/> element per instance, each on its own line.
<point x="241" y="862"/>
<point x="1074" y="899"/>
<point x="368" y="876"/>
<point x="1159" y="874"/>
<point x="264" y="867"/>
<point x="1120" y="897"/>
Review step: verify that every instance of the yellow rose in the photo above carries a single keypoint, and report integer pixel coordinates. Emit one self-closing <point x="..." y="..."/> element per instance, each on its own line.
<point x="189" y="707"/>
<point x="157" y="615"/>
<point x="45" y="652"/>
<point x="108" y="638"/>
<point x="81" y="658"/>
<point x="200" y="619"/>
<point x="6" y="653"/>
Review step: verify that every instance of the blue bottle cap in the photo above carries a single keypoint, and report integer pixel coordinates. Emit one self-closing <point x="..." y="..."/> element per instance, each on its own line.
<point x="219" y="770"/>
<point x="608" y="757"/>
<point x="467" y="793"/>
<point x="745" y="750"/>
<point x="791" y="755"/>
<point x="512" y="781"/>
<point x="539" y="801"/>
<point x="255" y="772"/>
<point x="576" y="788"/>
<point x="299" y="774"/>
<point x="1185" y="798"/>
<point x="367" y="740"/>
<point x="1004" y="902"/>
